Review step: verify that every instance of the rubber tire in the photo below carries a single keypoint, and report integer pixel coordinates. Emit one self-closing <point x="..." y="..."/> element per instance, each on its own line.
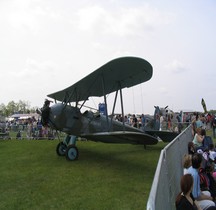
<point x="61" y="149"/>
<point x="72" y="153"/>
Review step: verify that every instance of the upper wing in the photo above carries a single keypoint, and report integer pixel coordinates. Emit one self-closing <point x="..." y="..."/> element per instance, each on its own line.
<point x="122" y="137"/>
<point x="118" y="73"/>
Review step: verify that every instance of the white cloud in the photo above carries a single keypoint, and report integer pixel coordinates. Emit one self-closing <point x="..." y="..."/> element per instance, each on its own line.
<point x="176" y="66"/>
<point x="27" y="15"/>
<point x="122" y="22"/>
<point x="163" y="90"/>
<point x="33" y="70"/>
<point x="89" y="17"/>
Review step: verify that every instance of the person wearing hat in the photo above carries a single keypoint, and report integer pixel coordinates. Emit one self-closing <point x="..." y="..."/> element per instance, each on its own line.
<point x="45" y="113"/>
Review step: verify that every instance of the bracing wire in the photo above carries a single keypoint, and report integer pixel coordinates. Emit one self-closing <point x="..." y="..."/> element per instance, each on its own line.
<point x="94" y="103"/>
<point x="134" y="108"/>
<point x="141" y="97"/>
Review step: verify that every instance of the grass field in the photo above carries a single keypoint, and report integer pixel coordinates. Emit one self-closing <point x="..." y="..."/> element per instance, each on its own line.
<point x="106" y="176"/>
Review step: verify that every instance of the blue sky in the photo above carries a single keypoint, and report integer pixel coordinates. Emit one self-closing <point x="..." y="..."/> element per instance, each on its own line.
<point x="47" y="45"/>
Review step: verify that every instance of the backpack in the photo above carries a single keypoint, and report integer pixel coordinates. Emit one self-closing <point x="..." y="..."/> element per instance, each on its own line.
<point x="204" y="180"/>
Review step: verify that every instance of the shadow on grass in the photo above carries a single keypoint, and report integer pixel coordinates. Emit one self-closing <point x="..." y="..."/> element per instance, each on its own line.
<point x="121" y="157"/>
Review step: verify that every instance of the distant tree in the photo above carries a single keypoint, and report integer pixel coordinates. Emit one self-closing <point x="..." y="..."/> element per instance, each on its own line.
<point x="212" y="111"/>
<point x="3" y="110"/>
<point x="33" y="109"/>
<point x="23" y="107"/>
<point x="12" y="107"/>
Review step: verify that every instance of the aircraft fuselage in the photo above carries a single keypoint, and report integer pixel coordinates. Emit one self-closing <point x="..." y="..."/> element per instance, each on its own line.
<point x="70" y="120"/>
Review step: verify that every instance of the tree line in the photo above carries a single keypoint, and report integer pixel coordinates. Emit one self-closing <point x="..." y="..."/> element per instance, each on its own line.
<point x="20" y="107"/>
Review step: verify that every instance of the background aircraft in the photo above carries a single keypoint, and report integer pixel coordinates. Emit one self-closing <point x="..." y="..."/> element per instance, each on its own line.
<point x="112" y="77"/>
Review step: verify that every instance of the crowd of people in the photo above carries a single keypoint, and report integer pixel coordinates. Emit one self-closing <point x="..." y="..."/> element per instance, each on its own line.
<point x="198" y="184"/>
<point x="32" y="128"/>
<point x="29" y="128"/>
<point x="136" y="121"/>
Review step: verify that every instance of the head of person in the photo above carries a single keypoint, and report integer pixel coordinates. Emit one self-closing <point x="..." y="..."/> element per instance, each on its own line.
<point x="47" y="102"/>
<point x="191" y="148"/>
<point x="197" y="160"/>
<point x="203" y="132"/>
<point x="186" y="183"/>
<point x="198" y="131"/>
<point x="187" y="160"/>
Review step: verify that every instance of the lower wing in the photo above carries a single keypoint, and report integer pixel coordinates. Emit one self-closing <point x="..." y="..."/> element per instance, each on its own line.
<point x="122" y="137"/>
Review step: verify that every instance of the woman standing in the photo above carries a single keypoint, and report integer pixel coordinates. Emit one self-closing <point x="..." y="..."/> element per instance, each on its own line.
<point x="185" y="199"/>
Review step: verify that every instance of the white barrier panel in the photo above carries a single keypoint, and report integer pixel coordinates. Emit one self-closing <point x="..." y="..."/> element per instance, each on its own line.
<point x="166" y="183"/>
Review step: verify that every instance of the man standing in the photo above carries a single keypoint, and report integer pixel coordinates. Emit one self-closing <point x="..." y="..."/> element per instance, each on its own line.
<point x="134" y="121"/>
<point x="143" y="121"/>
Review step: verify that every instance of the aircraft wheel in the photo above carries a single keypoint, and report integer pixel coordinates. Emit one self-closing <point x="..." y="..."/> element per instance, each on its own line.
<point x="61" y="149"/>
<point x="72" y="153"/>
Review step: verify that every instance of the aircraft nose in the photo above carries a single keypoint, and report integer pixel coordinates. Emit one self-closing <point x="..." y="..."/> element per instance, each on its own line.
<point x="56" y="116"/>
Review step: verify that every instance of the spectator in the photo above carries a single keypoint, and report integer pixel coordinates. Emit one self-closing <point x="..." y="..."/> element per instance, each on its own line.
<point x="203" y="198"/>
<point x="207" y="140"/>
<point x="18" y="135"/>
<point x="143" y="121"/>
<point x="191" y="148"/>
<point x="212" y="152"/>
<point x="214" y="126"/>
<point x="161" y="122"/>
<point x="29" y="130"/>
<point x="212" y="183"/>
<point x="198" y="139"/>
<point x="187" y="162"/>
<point x="185" y="199"/>
<point x="188" y="119"/>
<point x="134" y="121"/>
<point x="45" y="113"/>
<point x="199" y="122"/>
<point x="193" y="122"/>
<point x="180" y="126"/>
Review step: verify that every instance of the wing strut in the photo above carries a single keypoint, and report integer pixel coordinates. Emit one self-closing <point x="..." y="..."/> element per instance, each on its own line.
<point x="114" y="104"/>
<point x="105" y="101"/>
<point x="68" y="97"/>
<point x="122" y="108"/>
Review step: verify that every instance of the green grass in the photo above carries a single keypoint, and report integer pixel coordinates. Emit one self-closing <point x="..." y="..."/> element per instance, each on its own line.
<point x="106" y="176"/>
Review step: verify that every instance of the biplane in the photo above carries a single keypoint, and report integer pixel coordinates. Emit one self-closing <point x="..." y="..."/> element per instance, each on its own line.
<point x="66" y="116"/>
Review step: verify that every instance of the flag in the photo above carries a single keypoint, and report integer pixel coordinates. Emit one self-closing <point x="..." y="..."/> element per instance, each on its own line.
<point x="204" y="105"/>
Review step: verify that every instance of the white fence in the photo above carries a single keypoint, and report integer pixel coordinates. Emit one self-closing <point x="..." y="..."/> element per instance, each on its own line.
<point x="166" y="183"/>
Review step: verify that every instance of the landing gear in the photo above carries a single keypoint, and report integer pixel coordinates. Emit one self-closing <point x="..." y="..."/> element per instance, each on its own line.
<point x="68" y="148"/>
<point x="72" y="153"/>
<point x="61" y="149"/>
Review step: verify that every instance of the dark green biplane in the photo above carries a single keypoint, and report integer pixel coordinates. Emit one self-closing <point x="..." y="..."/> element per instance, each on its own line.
<point x="112" y="77"/>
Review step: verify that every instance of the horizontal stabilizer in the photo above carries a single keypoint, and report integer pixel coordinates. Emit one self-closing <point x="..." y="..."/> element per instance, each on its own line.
<point x="165" y="136"/>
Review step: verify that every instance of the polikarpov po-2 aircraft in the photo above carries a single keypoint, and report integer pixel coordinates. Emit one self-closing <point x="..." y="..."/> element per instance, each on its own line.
<point x="112" y="77"/>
